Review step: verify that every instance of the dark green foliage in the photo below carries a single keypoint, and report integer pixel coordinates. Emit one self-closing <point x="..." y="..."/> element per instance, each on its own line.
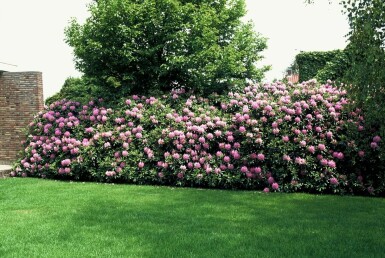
<point x="309" y="63"/>
<point x="76" y="89"/>
<point x="147" y="47"/>
<point x="335" y="69"/>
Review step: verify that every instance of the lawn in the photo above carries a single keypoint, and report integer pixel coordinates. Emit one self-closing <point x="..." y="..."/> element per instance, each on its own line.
<point x="43" y="218"/>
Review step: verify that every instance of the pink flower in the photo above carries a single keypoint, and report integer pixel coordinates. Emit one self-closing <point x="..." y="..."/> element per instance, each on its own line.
<point x="242" y="129"/>
<point x="218" y="133"/>
<point x="361" y="153"/>
<point x="244" y="169"/>
<point x="321" y="147"/>
<point x="261" y="157"/>
<point x="331" y="164"/>
<point x="333" y="181"/>
<point x="286" y="157"/>
<point x="140" y="164"/>
<point x="138" y="135"/>
<point x="65" y="162"/>
<point x="340" y="155"/>
<point x="376" y="139"/>
<point x="275" y="186"/>
<point x="311" y="149"/>
<point x="374" y="145"/>
<point x="266" y="190"/>
<point x="285" y="138"/>
<point x="270" y="180"/>
<point x="268" y="108"/>
<point x="300" y="161"/>
<point x="197" y="165"/>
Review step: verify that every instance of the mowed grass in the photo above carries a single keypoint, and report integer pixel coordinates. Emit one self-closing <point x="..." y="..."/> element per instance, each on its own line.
<point x="43" y="218"/>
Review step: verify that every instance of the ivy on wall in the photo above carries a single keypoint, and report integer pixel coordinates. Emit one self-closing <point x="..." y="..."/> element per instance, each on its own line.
<point x="310" y="63"/>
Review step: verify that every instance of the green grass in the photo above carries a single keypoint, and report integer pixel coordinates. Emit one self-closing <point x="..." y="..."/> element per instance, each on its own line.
<point x="42" y="218"/>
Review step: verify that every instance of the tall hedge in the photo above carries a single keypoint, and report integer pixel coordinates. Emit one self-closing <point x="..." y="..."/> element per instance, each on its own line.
<point x="309" y="63"/>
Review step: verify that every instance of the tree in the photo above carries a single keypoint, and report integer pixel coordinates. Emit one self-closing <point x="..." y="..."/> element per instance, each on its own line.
<point x="75" y="89"/>
<point x="366" y="52"/>
<point x="367" y="47"/>
<point x="147" y="46"/>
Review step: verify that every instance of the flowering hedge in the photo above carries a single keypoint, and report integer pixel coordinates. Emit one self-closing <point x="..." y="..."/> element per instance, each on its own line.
<point x="272" y="137"/>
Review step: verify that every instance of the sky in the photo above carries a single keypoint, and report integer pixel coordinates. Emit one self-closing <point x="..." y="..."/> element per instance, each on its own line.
<point x="32" y="34"/>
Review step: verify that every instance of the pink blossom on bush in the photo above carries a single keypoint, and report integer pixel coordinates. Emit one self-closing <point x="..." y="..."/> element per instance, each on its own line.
<point x="373" y="145"/>
<point x="261" y="157"/>
<point x="331" y="163"/>
<point x="333" y="181"/>
<point x="361" y="153"/>
<point x="376" y="139"/>
<point x="321" y="147"/>
<point x="65" y="162"/>
<point x="311" y="149"/>
<point x="244" y="169"/>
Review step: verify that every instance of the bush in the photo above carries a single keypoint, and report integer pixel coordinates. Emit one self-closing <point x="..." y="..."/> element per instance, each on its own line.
<point x="274" y="137"/>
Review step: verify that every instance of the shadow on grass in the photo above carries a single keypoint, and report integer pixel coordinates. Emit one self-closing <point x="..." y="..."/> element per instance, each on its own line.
<point x="191" y="223"/>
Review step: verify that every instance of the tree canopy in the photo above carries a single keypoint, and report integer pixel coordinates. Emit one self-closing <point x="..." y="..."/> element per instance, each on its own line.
<point x="145" y="46"/>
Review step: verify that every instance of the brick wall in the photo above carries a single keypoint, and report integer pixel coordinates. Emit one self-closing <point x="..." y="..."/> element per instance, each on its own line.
<point x="21" y="97"/>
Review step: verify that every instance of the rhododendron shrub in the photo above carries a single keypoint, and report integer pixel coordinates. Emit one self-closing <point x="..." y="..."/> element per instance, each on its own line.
<point x="272" y="137"/>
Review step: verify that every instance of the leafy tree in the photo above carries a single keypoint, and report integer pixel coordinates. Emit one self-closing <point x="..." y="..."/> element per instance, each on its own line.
<point x="366" y="51"/>
<point x="147" y="46"/>
<point x="75" y="89"/>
